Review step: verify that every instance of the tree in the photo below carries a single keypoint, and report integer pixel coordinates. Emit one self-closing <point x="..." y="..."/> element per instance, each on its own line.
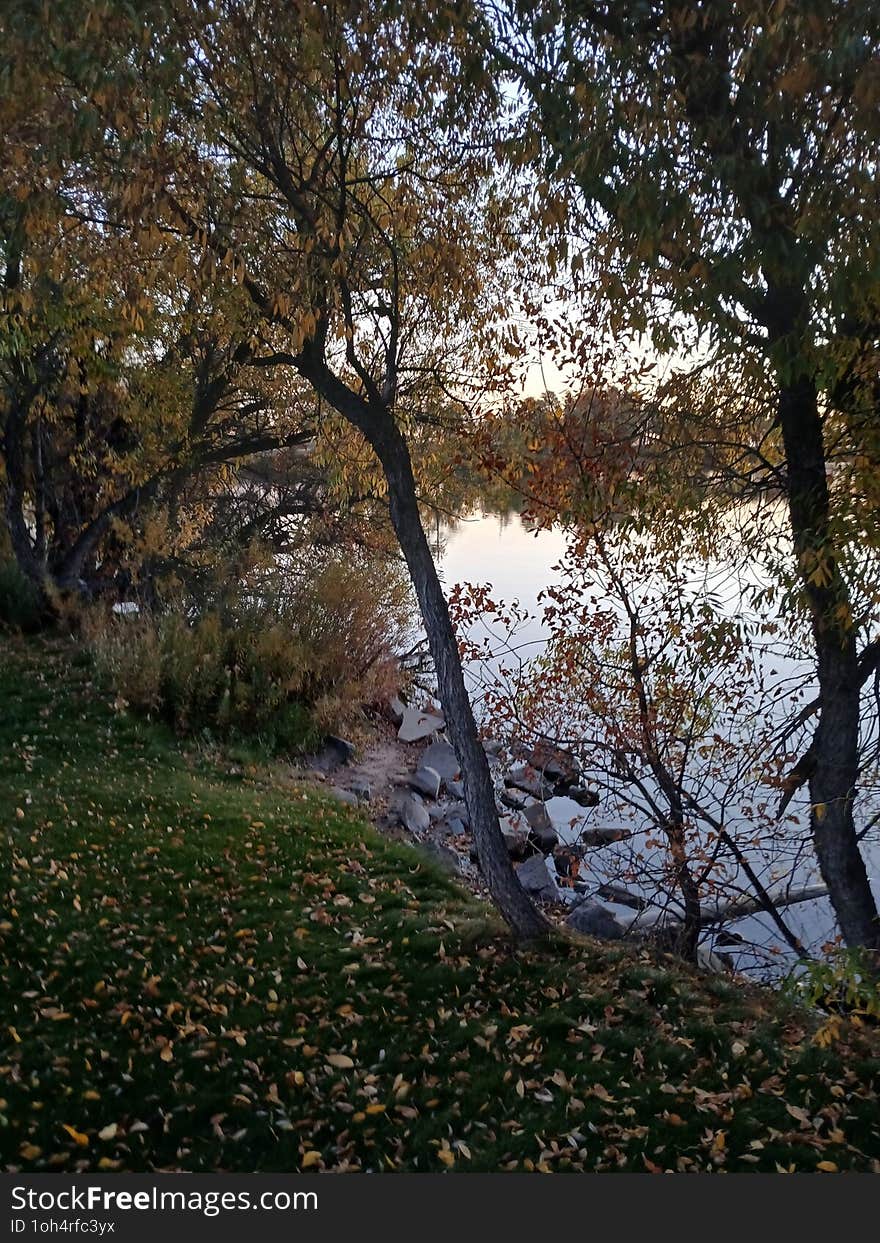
<point x="326" y="161"/>
<point x="718" y="158"/>
<point x="129" y="388"/>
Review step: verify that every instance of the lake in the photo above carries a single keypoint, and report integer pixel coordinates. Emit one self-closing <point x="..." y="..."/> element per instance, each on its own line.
<point x="519" y="563"/>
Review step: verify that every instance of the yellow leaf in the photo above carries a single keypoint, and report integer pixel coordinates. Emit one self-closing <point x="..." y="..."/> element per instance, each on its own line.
<point x="313" y="1157"/>
<point x="341" y="1060"/>
<point x="76" y="1136"/>
<point x="827" y="1167"/>
<point x="447" y="1156"/>
<point x="167" y="1054"/>
<point x="108" y="1131"/>
<point x="376" y="1109"/>
<point x="30" y="1152"/>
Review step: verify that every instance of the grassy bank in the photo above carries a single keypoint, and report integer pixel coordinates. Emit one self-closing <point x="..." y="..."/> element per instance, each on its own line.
<point x="205" y="970"/>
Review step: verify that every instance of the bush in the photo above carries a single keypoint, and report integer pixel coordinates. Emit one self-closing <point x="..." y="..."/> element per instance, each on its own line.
<point x="20" y="606"/>
<point x="280" y="659"/>
<point x="846" y="984"/>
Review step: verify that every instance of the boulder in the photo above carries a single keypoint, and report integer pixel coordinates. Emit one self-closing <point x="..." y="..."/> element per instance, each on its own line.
<point x="594" y="920"/>
<point x="396" y="709"/>
<point x="442" y="758"/>
<point x="622" y="896"/>
<point x="442" y="856"/>
<point x="557" y="765"/>
<point x="542" y="833"/>
<point x="511" y="801"/>
<point x="410" y="811"/>
<point x="455" y="789"/>
<point x="455" y="827"/>
<point x="416" y="725"/>
<point x="535" y="878"/>
<point x="515" y="830"/>
<point x="528" y="779"/>
<point x="426" y="781"/>
<point x="582" y="796"/>
<point x="344" y="749"/>
<point x="568" y="860"/>
<point x="344" y="796"/>
<point x="361" y="788"/>
<point x="604" y="836"/>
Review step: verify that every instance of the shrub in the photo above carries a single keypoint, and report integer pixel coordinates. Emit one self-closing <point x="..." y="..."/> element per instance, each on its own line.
<point x="279" y="659"/>
<point x="846" y="984"/>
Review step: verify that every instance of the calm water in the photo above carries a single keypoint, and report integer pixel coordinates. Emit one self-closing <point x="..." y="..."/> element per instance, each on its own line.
<point x="519" y="564"/>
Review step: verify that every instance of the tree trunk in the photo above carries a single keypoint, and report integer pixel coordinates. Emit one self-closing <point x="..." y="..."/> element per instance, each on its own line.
<point x="835" y="745"/>
<point x="526" y="922"/>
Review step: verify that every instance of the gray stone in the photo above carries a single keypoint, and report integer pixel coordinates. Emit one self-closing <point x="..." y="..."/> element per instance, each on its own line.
<point x="568" y="860"/>
<point x="396" y="709"/>
<point x="455" y="827"/>
<point x="442" y="758"/>
<point x="361" y="788"/>
<point x="455" y="789"/>
<point x="543" y="834"/>
<point x="511" y="800"/>
<point x="426" y="780"/>
<point x="535" y="878"/>
<point x="416" y="725"/>
<point x="344" y="796"/>
<point x="515" y="830"/>
<point x="622" y="896"/>
<point x="345" y="748"/>
<point x="604" y="836"/>
<point x="557" y="765"/>
<point x="458" y="811"/>
<point x="582" y="796"/>
<point x="442" y="856"/>
<point x="528" y="779"/>
<point x="594" y="920"/>
<point x="411" y="811"/>
<point x="493" y="746"/>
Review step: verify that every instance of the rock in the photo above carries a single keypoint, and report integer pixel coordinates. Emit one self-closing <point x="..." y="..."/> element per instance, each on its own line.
<point x="334" y="754"/>
<point x="515" y="830"/>
<point x="442" y="758"/>
<point x="458" y="811"/>
<point x="568" y="860"/>
<point x="362" y="788"/>
<point x="710" y="961"/>
<point x="426" y="781"/>
<point x="493" y="746"/>
<point x="557" y="765"/>
<point x="344" y="748"/>
<point x="511" y="801"/>
<point x="535" y="878"/>
<point x="455" y="827"/>
<point x="604" y="836"/>
<point x="623" y="897"/>
<point x="543" y="834"/>
<point x="411" y="811"/>
<point x="526" y="778"/>
<point x="396" y="709"/>
<point x="344" y="796"/>
<point x="594" y="920"/>
<point x="442" y="856"/>
<point x="416" y="725"/>
<point x="455" y="789"/>
<point x="582" y="796"/>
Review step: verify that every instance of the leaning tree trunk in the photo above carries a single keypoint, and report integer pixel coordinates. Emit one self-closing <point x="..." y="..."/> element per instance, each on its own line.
<point x="507" y="893"/>
<point x="835" y="747"/>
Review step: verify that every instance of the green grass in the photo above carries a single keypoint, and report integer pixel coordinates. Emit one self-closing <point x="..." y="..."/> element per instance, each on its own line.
<point x="205" y="970"/>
